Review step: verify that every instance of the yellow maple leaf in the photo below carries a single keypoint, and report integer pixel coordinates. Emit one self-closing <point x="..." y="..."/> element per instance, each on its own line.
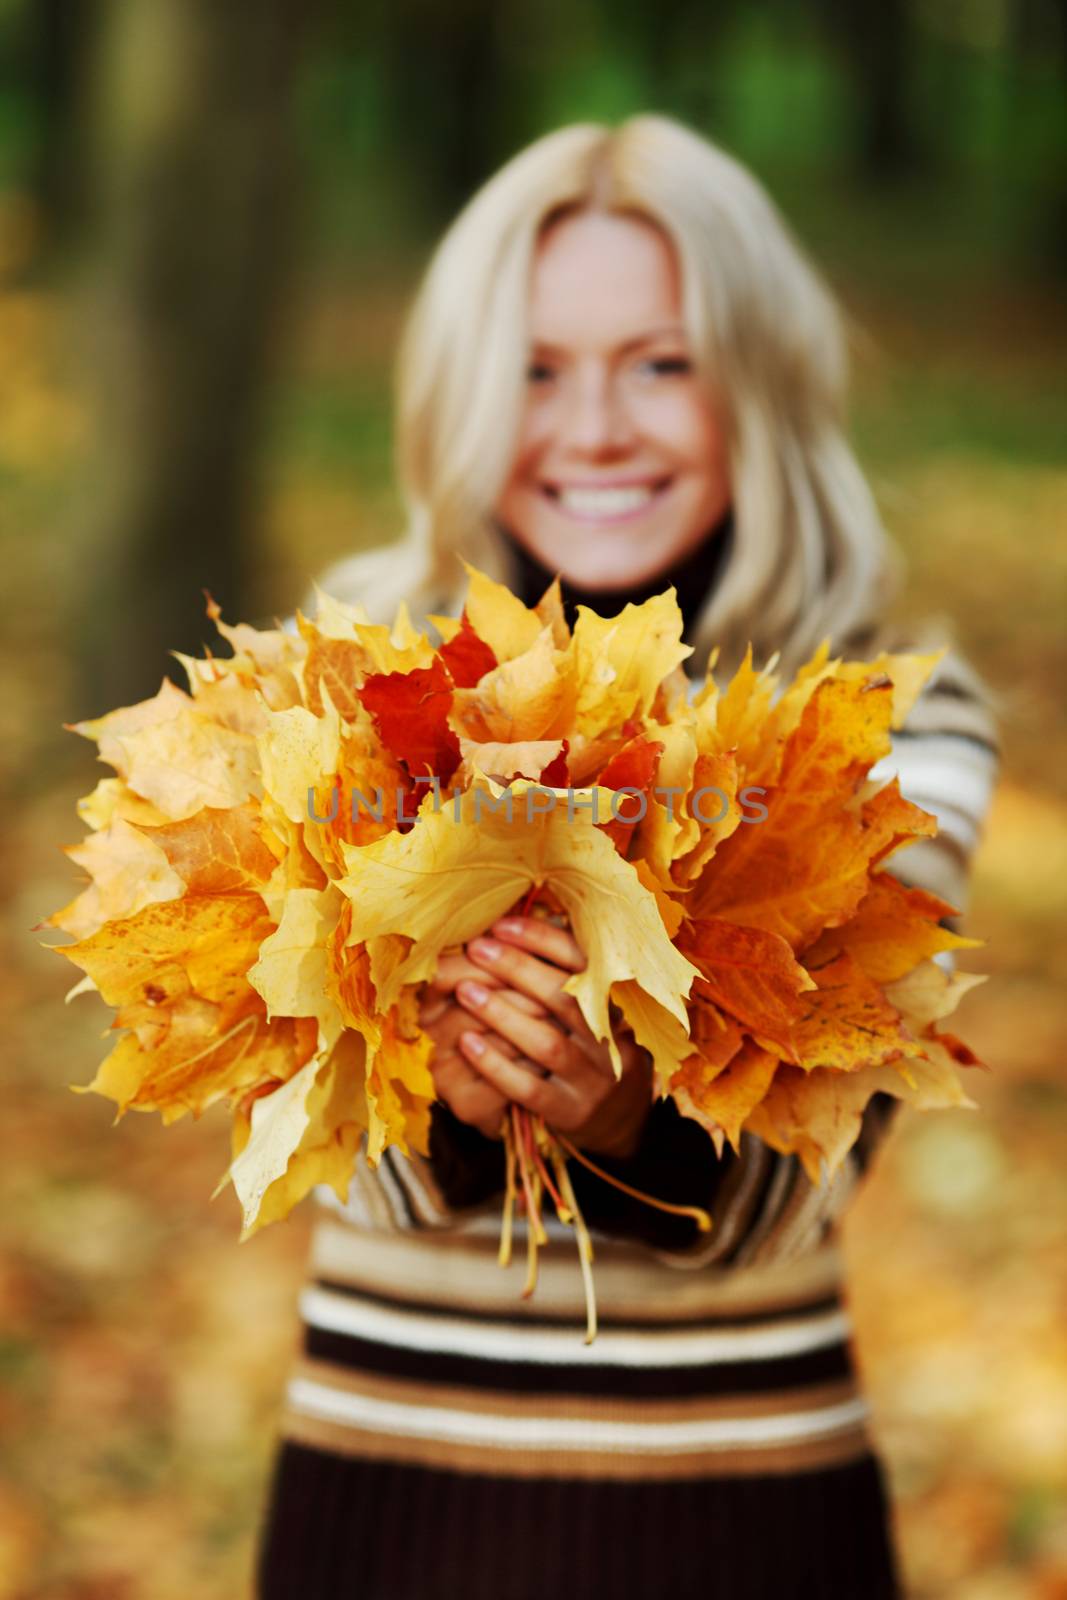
<point x="805" y="866"/>
<point x="892" y="930"/>
<point x="507" y="626"/>
<point x="164" y="705"/>
<point x="311" y="1135"/>
<point x="929" y="994"/>
<point x="658" y="1030"/>
<point x="817" y="1115"/>
<point x="299" y="751"/>
<point x="618" y="663"/>
<point x="722" y="1097"/>
<point x="399" y="1084"/>
<point x="527" y="697"/>
<point x="112" y="797"/>
<point x="279" y="1122"/>
<point x="129" y="870"/>
<point x="505" y="761"/>
<point x="290" y="972"/>
<point x="155" y="967"/>
<point x="188" y="762"/>
<point x="465" y="865"/>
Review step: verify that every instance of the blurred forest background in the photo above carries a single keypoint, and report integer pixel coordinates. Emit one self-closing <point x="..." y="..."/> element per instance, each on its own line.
<point x="212" y="217"/>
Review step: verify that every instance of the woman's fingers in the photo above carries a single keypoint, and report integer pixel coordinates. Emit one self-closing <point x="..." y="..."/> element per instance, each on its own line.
<point x="469" y="1096"/>
<point x="431" y="1011"/>
<point x="505" y="1030"/>
<point x="530" y="975"/>
<point x="552" y="1098"/>
<point x="603" y="1115"/>
<point x="541" y="938"/>
<point x="472" y="1096"/>
<point x="437" y="996"/>
<point x="452" y="969"/>
<point x="446" y="1029"/>
<point x="537" y="976"/>
<point x="541" y="1041"/>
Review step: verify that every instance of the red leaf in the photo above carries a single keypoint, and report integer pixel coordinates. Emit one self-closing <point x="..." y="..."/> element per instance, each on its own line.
<point x="633" y="767"/>
<point x="557" y="775"/>
<point x="467" y="657"/>
<point x="410" y="711"/>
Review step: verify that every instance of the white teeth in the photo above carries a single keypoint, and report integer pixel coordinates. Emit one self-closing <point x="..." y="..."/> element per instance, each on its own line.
<point x="605" y="502"/>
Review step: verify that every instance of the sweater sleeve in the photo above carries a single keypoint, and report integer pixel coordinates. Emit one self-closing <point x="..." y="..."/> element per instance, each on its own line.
<point x="947" y="758"/>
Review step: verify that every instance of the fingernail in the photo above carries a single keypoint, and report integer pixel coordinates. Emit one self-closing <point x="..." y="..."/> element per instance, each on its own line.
<point x="485" y="947"/>
<point x="473" y="992"/>
<point x="474" y="1042"/>
<point x="509" y="925"/>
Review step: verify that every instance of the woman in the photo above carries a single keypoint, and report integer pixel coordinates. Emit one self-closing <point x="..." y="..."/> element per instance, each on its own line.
<point x="619" y="370"/>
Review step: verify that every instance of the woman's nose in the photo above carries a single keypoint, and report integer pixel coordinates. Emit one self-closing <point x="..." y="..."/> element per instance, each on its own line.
<point x="597" y="418"/>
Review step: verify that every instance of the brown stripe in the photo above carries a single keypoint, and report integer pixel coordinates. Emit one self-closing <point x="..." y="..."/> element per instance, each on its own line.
<point x="940" y="711"/>
<point x="454" y="1272"/>
<point x="578" y="1408"/>
<point x="446" y="1456"/>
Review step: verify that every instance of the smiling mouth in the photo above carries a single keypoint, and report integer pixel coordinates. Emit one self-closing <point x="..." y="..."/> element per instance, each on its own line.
<point x="617" y="504"/>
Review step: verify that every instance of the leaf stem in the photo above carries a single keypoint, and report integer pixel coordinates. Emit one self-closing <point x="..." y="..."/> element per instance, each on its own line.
<point x="539" y="1132"/>
<point x="504" y="1253"/>
<point x="534" y="1166"/>
<point x="702" y="1218"/>
<point x="535" y="1232"/>
<point x="585" y="1244"/>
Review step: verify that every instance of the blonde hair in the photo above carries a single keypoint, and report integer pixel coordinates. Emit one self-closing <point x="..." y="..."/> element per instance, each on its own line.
<point x="809" y="557"/>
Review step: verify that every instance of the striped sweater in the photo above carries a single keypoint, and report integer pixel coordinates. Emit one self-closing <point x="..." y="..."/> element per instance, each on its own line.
<point x="722" y="1360"/>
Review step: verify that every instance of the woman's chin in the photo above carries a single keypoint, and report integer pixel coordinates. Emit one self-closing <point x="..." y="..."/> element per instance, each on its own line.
<point x="614" y="561"/>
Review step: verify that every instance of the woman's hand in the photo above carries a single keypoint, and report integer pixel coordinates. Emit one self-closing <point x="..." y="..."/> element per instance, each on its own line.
<point x="505" y="1041"/>
<point x="467" y="1093"/>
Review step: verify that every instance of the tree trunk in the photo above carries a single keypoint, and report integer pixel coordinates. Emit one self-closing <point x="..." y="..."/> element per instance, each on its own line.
<point x="195" y="201"/>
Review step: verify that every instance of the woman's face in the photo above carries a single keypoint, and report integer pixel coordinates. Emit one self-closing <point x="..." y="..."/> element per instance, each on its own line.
<point x="621" y="462"/>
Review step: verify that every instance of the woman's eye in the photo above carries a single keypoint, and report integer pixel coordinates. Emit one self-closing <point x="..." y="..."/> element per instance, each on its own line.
<point x="538" y="372"/>
<point x="665" y="365"/>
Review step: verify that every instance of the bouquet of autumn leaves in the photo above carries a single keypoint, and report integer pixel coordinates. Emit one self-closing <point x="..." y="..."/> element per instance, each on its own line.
<point x="290" y="845"/>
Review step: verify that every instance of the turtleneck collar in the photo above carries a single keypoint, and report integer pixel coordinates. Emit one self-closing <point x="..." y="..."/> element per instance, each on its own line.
<point x="693" y="579"/>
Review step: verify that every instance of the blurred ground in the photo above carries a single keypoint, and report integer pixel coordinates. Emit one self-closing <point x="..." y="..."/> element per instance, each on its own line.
<point x="144" y="1351"/>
